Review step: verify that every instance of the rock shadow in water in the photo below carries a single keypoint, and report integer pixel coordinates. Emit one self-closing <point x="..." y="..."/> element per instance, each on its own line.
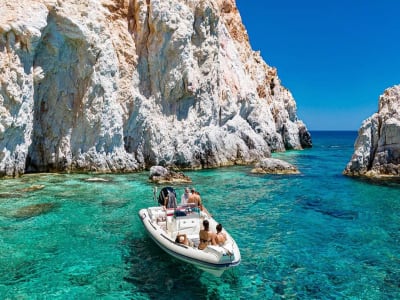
<point x="33" y="210"/>
<point x="18" y="271"/>
<point x="115" y="203"/>
<point x="20" y="193"/>
<point x="317" y="205"/>
<point x="382" y="181"/>
<point x="7" y="195"/>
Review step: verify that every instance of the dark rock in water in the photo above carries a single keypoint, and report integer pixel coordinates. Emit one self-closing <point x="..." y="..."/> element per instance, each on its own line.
<point x="318" y="206"/>
<point x="114" y="203"/>
<point x="160" y="174"/>
<point x="274" y="166"/>
<point x="20" y="193"/>
<point x="7" y="195"/>
<point x="305" y="137"/>
<point x="342" y="214"/>
<point x="33" y="210"/>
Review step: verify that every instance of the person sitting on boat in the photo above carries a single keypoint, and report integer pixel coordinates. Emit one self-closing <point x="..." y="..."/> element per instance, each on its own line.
<point x="185" y="196"/>
<point x="220" y="237"/>
<point x="206" y="236"/>
<point x="182" y="239"/>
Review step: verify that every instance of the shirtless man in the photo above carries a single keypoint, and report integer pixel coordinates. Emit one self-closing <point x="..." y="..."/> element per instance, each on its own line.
<point x="195" y="198"/>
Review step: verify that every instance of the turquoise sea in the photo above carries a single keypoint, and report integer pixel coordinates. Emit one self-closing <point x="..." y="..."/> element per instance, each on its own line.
<point x="317" y="235"/>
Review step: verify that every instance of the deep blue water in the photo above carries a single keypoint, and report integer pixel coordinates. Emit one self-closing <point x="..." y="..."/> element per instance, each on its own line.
<point x="317" y="235"/>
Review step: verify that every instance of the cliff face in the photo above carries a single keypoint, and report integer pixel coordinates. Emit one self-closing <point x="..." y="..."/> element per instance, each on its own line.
<point x="377" y="148"/>
<point x="119" y="85"/>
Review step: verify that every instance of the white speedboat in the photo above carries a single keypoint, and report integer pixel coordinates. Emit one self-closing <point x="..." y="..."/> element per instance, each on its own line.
<point x="164" y="225"/>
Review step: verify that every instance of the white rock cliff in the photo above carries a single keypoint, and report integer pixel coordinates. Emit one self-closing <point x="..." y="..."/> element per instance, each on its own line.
<point x="377" y="148"/>
<point x="121" y="85"/>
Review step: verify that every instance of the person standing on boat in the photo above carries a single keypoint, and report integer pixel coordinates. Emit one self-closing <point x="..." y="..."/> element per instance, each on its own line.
<point x="195" y="198"/>
<point x="192" y="196"/>
<point x="170" y="200"/>
<point x="185" y="196"/>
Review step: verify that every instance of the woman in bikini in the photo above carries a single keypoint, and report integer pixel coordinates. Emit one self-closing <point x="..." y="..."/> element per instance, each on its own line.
<point x="206" y="236"/>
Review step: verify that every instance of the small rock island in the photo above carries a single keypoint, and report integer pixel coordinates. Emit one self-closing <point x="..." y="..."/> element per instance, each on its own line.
<point x="377" y="148"/>
<point x="274" y="166"/>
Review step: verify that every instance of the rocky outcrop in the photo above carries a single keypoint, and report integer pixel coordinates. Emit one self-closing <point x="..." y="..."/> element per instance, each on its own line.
<point x="377" y="148"/>
<point x="159" y="174"/>
<point x="121" y="85"/>
<point x="274" y="166"/>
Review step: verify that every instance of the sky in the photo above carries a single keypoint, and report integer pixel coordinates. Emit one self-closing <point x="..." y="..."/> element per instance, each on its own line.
<point x="336" y="57"/>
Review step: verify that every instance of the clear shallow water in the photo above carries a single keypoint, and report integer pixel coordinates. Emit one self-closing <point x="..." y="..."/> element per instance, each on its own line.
<point x="317" y="235"/>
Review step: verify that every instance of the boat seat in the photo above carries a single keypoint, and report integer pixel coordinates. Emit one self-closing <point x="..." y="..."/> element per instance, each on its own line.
<point x="216" y="250"/>
<point x="196" y="242"/>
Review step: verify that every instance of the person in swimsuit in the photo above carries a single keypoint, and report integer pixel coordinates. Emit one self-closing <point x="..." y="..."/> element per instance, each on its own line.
<point x="182" y="239"/>
<point x="206" y="236"/>
<point x="220" y="237"/>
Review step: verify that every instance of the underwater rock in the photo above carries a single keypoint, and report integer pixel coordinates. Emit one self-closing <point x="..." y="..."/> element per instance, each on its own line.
<point x="114" y="202"/>
<point x="33" y="188"/>
<point x="320" y="207"/>
<point x="33" y="210"/>
<point x="7" y="195"/>
<point x="160" y="174"/>
<point x="274" y="166"/>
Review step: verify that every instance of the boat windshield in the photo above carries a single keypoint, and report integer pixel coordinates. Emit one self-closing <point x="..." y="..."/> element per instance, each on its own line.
<point x="187" y="210"/>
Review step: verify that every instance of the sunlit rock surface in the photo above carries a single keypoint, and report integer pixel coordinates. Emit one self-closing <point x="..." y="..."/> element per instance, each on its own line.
<point x="122" y="85"/>
<point x="274" y="166"/>
<point x="159" y="174"/>
<point x="377" y="148"/>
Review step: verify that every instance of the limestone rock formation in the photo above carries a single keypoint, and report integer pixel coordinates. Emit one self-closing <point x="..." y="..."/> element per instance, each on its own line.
<point x="122" y="85"/>
<point x="377" y="148"/>
<point x="274" y="166"/>
<point x="159" y="174"/>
